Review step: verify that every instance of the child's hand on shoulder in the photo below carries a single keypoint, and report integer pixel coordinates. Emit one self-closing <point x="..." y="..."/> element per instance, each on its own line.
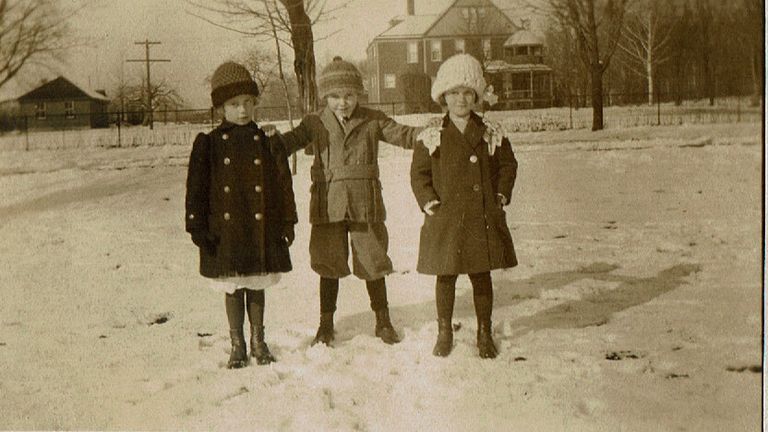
<point x="269" y="129"/>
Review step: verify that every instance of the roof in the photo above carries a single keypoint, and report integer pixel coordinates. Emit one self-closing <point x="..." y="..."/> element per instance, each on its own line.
<point x="411" y="25"/>
<point x="523" y="37"/>
<point x="445" y="22"/>
<point x="62" y="88"/>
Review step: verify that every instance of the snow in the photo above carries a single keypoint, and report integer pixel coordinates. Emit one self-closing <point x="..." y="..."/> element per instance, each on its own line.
<point x="636" y="305"/>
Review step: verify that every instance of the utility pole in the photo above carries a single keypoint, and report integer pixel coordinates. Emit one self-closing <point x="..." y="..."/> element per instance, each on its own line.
<point x="147" y="60"/>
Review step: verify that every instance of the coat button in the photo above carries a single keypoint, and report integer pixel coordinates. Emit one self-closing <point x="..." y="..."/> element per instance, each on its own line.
<point x="256" y="138"/>
<point x="226" y="161"/>
<point x="258" y="216"/>
<point x="191" y="216"/>
<point x="476" y="188"/>
<point x="473" y="159"/>
<point x="225" y="136"/>
<point x="226" y="189"/>
<point x="257" y="161"/>
<point x="257" y="188"/>
<point x="226" y="216"/>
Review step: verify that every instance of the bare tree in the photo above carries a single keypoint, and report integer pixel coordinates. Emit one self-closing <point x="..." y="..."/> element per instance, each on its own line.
<point x="751" y="35"/>
<point x="646" y="39"/>
<point x="287" y="22"/>
<point x="597" y="26"/>
<point x="32" y="32"/>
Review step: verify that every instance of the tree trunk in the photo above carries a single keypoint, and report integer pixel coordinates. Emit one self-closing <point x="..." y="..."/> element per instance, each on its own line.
<point x="597" y="96"/>
<point x="304" y="54"/>
<point x="757" y="75"/>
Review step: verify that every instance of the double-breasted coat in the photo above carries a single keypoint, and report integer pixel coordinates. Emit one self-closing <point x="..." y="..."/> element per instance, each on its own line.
<point x="468" y="232"/>
<point x="240" y="193"/>
<point x="345" y="170"/>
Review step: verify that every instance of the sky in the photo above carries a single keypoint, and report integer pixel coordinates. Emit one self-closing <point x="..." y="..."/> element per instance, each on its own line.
<point x="195" y="47"/>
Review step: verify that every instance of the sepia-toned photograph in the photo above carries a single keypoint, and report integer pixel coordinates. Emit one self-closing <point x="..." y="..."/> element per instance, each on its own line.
<point x="382" y="215"/>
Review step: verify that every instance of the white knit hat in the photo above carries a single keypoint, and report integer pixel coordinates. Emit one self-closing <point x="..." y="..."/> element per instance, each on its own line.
<point x="461" y="70"/>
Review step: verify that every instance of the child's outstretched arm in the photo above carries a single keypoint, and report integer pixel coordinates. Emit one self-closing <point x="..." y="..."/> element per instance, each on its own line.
<point x="398" y="134"/>
<point x="504" y="171"/>
<point x="421" y="178"/>
<point x="298" y="138"/>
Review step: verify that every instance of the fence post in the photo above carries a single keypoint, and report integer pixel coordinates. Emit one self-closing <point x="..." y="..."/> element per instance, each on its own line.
<point x="570" y="110"/>
<point x="119" y="134"/>
<point x="658" y="108"/>
<point x="738" y="108"/>
<point x="26" y="132"/>
<point x="212" y="118"/>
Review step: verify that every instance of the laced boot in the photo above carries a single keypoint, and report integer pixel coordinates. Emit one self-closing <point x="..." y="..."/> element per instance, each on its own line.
<point x="384" y="329"/>
<point x="325" y="333"/>
<point x="485" y="345"/>
<point x="238" y="357"/>
<point x="444" y="344"/>
<point x="259" y="348"/>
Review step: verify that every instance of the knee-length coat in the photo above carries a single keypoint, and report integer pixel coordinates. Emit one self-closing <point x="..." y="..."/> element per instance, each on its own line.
<point x="240" y="192"/>
<point x="468" y="232"/>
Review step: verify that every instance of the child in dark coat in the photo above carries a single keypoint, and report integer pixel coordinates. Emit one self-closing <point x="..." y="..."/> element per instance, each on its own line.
<point x="346" y="205"/>
<point x="240" y="209"/>
<point x="462" y="175"/>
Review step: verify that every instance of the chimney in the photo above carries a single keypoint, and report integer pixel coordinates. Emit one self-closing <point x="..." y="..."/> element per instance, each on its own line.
<point x="410" y="7"/>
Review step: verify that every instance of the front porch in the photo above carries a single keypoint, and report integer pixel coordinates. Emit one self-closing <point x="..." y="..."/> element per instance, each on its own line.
<point x="521" y="86"/>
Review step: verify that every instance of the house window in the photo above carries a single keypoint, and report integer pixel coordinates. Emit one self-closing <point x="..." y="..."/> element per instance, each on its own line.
<point x="487" y="53"/>
<point x="458" y="45"/>
<point x="470" y="15"/>
<point x="40" y="110"/>
<point x="436" y="50"/>
<point x="413" y="52"/>
<point x="521" y="50"/>
<point x="69" y="109"/>
<point x="537" y="51"/>
<point x="389" y="81"/>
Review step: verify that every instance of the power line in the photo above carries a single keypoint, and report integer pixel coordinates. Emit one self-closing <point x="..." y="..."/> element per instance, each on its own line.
<point x="148" y="61"/>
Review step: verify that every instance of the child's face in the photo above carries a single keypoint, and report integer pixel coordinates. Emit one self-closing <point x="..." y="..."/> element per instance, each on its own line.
<point x="460" y="101"/>
<point x="342" y="103"/>
<point x="239" y="109"/>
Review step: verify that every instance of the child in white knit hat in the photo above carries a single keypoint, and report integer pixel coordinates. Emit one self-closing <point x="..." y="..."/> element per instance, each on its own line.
<point x="462" y="175"/>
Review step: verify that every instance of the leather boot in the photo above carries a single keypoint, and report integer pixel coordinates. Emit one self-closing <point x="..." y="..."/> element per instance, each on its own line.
<point x="325" y="333"/>
<point x="444" y="344"/>
<point x="238" y="357"/>
<point x="259" y="348"/>
<point x="485" y="345"/>
<point x="384" y="329"/>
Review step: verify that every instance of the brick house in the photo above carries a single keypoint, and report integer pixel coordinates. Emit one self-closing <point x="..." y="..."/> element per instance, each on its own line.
<point x="60" y="104"/>
<point x="405" y="58"/>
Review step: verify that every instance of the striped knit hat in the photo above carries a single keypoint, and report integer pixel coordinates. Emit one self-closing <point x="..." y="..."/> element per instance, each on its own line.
<point x="461" y="70"/>
<point x="229" y="80"/>
<point x="337" y="76"/>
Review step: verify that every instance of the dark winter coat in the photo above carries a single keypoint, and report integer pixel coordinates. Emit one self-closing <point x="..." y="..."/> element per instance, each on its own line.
<point x="345" y="170"/>
<point x="240" y="192"/>
<point x="468" y="232"/>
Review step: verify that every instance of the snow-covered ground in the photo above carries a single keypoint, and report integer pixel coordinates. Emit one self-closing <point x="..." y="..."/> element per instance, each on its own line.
<point x="636" y="306"/>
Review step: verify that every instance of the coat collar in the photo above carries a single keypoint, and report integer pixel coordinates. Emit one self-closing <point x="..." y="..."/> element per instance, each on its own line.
<point x="473" y="134"/>
<point x="333" y="125"/>
<point x="227" y="125"/>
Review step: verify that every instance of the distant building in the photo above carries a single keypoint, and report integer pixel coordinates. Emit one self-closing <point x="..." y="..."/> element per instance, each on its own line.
<point x="415" y="45"/>
<point x="60" y="104"/>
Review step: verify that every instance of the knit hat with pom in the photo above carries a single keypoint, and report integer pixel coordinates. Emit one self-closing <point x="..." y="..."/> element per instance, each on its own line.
<point x="337" y="76"/>
<point x="461" y="70"/>
<point x="229" y="80"/>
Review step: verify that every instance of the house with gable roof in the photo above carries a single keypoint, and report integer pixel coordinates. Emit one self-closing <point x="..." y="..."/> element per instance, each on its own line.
<point x="61" y="104"/>
<point x="512" y="56"/>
